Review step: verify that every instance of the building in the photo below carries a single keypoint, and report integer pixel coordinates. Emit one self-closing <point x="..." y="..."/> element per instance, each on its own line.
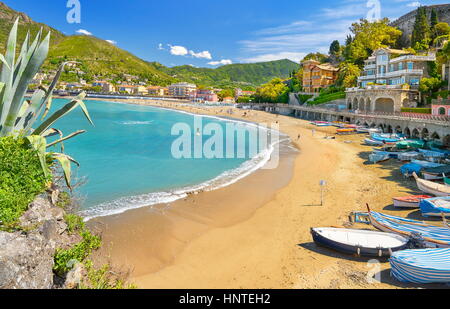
<point x="126" y="88"/>
<point x="183" y="90"/>
<point x="389" y="81"/>
<point x="441" y="107"/>
<point x="242" y="93"/>
<point x="406" y="22"/>
<point x="158" y="91"/>
<point x="106" y="86"/>
<point x="229" y="100"/>
<point x="206" y="95"/>
<point x="317" y="76"/>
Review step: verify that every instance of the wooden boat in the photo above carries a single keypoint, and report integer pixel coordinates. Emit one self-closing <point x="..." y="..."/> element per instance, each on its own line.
<point x="379" y="157"/>
<point x="359" y="242"/>
<point x="432" y="187"/>
<point x="346" y="131"/>
<point x="421" y="266"/>
<point x="387" y="138"/>
<point x="411" y="201"/>
<point x="408" y="156"/>
<point x="432" y="236"/>
<point x="436" y="173"/>
<point x="435" y="207"/>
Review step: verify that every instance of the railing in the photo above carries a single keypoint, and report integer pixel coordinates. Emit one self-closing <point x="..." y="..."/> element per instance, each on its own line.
<point x="431" y="57"/>
<point x="406" y="71"/>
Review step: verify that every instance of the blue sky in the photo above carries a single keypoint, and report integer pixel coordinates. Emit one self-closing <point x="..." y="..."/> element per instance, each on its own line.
<point x="209" y="33"/>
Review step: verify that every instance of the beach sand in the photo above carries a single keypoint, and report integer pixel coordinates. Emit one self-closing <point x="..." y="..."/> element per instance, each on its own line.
<point x="256" y="232"/>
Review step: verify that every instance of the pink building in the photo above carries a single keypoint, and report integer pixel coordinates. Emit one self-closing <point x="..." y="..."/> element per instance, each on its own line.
<point x="441" y="107"/>
<point x="206" y="95"/>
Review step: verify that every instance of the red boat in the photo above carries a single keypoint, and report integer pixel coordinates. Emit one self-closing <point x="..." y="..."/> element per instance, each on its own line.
<point x="409" y="201"/>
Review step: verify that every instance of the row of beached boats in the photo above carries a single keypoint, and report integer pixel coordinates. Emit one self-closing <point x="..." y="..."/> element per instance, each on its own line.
<point x="345" y="128"/>
<point x="418" y="252"/>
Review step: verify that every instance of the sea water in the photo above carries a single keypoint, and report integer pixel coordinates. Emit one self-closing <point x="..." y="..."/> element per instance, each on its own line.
<point x="126" y="159"/>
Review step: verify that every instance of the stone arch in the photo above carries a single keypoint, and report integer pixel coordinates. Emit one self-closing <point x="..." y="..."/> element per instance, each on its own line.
<point x="385" y="105"/>
<point x="415" y="134"/>
<point x="365" y="124"/>
<point x="373" y="125"/>
<point x="435" y="136"/>
<point x="358" y="122"/>
<point x="349" y="103"/>
<point x="446" y="140"/>
<point x="398" y="129"/>
<point x="425" y="134"/>
<point x="407" y="132"/>
<point x="368" y="103"/>
<point x="389" y="129"/>
<point x="380" y="126"/>
<point x="441" y="111"/>
<point x="362" y="105"/>
<point x="355" y="104"/>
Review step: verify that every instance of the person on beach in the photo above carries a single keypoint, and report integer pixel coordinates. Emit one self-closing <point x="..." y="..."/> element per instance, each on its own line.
<point x="298" y="137"/>
<point x="313" y="131"/>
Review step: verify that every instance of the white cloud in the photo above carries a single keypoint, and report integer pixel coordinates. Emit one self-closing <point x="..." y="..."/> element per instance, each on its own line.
<point x="221" y="62"/>
<point x="160" y="46"/>
<point x="84" y="32"/>
<point x="415" y="4"/>
<point x="178" y="50"/>
<point x="111" y="42"/>
<point x="204" y="54"/>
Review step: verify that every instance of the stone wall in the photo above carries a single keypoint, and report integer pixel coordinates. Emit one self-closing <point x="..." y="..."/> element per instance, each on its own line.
<point x="406" y="22"/>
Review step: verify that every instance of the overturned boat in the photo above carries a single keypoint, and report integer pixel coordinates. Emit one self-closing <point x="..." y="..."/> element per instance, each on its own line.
<point x="432" y="187"/>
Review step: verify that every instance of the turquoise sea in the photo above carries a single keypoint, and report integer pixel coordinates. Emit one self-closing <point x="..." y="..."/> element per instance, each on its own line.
<point x="126" y="160"/>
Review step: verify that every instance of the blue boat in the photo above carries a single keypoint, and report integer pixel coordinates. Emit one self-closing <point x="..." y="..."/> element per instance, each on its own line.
<point x="387" y="138"/>
<point x="435" y="207"/>
<point x="409" y="168"/>
<point x="421" y="266"/>
<point x="432" y="154"/>
<point x="433" y="236"/>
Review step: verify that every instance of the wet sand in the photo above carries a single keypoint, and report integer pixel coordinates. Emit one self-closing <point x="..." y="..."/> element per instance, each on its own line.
<point x="256" y="232"/>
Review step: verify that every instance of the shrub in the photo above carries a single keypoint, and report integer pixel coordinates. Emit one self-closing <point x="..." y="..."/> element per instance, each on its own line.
<point x="416" y="110"/>
<point x="103" y="278"/>
<point x="21" y="179"/>
<point x="65" y="259"/>
<point x="327" y="98"/>
<point x="74" y="223"/>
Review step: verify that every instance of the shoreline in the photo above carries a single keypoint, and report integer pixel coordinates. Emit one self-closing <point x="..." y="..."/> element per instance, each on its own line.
<point x="269" y="245"/>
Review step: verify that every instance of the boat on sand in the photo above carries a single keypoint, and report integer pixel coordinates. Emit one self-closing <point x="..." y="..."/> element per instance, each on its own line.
<point x="432" y="187"/>
<point x="411" y="201"/>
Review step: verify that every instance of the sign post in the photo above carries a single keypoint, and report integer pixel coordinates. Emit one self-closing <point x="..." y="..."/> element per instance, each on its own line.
<point x="323" y="183"/>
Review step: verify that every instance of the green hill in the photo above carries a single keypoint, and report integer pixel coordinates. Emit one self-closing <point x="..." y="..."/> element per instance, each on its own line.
<point x="100" y="58"/>
<point x="240" y="75"/>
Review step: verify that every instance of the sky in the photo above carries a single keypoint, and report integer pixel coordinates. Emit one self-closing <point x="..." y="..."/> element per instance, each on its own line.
<point x="210" y="33"/>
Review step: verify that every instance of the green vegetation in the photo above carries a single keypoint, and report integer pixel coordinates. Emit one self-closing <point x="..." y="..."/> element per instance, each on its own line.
<point x="232" y="75"/>
<point x="328" y="96"/>
<point x="65" y="259"/>
<point x="74" y="223"/>
<point x="304" y="97"/>
<point x="421" y="36"/>
<point x="21" y="179"/>
<point x="103" y="279"/>
<point x="416" y="110"/>
<point x="276" y="91"/>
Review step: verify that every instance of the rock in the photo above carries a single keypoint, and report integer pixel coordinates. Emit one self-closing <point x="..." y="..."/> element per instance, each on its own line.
<point x="26" y="262"/>
<point x="74" y="277"/>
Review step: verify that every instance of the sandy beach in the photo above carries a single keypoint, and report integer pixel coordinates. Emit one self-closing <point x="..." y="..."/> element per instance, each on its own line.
<point x="256" y="232"/>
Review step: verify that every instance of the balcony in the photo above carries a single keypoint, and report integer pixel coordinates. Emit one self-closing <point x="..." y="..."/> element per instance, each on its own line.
<point x="370" y="66"/>
<point x="404" y="72"/>
<point x="430" y="57"/>
<point x="367" y="77"/>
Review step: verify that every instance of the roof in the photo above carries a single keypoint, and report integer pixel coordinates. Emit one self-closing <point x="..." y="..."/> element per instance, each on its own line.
<point x="327" y="67"/>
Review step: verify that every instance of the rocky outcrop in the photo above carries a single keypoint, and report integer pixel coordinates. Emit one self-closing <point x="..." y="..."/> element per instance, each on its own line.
<point x="27" y="256"/>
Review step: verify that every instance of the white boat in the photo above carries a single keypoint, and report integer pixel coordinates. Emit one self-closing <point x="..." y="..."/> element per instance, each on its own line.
<point x="359" y="242"/>
<point x="432" y="187"/>
<point x="408" y="156"/>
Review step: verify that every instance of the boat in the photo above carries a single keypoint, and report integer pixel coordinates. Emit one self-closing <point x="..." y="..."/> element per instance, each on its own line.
<point x="447" y="181"/>
<point x="421" y="266"/>
<point x="359" y="242"/>
<point x="408" y="156"/>
<point x="407" y="144"/>
<point x="432" y="156"/>
<point x="436" y="173"/>
<point x="435" y="207"/>
<point x="411" y="201"/>
<point x="371" y="142"/>
<point x="321" y="123"/>
<point x="446" y="152"/>
<point x="379" y="156"/>
<point x="387" y="138"/>
<point x="346" y="131"/>
<point x="432" y="236"/>
<point x="432" y="187"/>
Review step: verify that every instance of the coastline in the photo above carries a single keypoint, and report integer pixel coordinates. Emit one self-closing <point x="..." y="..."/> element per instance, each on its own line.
<point x="267" y="245"/>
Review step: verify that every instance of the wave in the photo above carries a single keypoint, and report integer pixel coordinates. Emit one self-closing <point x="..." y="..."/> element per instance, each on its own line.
<point x="132" y="123"/>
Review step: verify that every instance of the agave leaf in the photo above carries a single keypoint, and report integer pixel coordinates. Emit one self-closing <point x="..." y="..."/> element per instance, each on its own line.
<point x="55" y="116"/>
<point x="25" y="106"/>
<point x="66" y="138"/>
<point x="86" y="112"/>
<point x="49" y="91"/>
<point x="48" y="104"/>
<point x="3" y="60"/>
<point x="22" y="81"/>
<point x="39" y="144"/>
<point x="52" y="132"/>
<point x="64" y="161"/>
<point x="25" y="121"/>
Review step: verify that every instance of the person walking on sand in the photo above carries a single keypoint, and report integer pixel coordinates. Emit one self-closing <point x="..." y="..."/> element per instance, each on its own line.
<point x="313" y="132"/>
<point x="298" y="137"/>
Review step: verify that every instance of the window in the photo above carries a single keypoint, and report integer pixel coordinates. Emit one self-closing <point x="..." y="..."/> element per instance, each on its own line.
<point x="414" y="82"/>
<point x="410" y="65"/>
<point x="400" y="66"/>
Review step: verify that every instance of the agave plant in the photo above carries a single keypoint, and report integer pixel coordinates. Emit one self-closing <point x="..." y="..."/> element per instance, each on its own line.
<point x="18" y="115"/>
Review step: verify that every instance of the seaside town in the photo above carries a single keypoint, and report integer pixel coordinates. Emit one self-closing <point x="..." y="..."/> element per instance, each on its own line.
<point x="359" y="197"/>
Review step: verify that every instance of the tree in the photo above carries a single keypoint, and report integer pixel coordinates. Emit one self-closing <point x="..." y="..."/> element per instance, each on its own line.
<point x="368" y="37"/>
<point x="226" y="93"/>
<point x="442" y="29"/>
<point x="421" y="30"/>
<point x="444" y="56"/>
<point x="317" y="57"/>
<point x="434" y="21"/>
<point x="276" y="91"/>
<point x="430" y="85"/>
<point x="335" y="48"/>
<point x="348" y="74"/>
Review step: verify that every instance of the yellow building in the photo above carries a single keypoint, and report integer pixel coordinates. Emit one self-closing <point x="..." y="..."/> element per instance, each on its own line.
<point x="317" y="75"/>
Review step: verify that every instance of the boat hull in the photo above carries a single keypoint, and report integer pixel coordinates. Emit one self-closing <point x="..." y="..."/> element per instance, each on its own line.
<point x="353" y="249"/>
